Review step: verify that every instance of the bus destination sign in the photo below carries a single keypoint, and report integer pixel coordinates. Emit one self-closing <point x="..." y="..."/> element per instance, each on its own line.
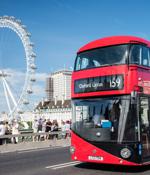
<point x="102" y="83"/>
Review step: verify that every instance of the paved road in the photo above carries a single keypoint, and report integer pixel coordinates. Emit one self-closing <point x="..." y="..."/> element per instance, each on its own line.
<point x="56" y="161"/>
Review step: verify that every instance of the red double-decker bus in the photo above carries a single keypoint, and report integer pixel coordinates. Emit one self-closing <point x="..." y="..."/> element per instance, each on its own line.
<point x="110" y="100"/>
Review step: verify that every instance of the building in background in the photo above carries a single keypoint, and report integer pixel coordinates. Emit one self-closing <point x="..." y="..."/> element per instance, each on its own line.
<point x="54" y="111"/>
<point x="57" y="105"/>
<point x="58" y="86"/>
<point x="49" y="89"/>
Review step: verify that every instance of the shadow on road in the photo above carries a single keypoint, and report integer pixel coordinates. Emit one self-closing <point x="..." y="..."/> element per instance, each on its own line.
<point x="113" y="168"/>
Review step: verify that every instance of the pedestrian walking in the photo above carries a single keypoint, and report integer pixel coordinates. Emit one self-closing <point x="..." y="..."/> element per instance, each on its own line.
<point x="35" y="129"/>
<point x="48" y="128"/>
<point x="2" y="131"/>
<point x="67" y="127"/>
<point x="15" y="130"/>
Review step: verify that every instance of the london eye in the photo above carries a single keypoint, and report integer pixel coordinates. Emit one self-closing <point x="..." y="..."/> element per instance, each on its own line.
<point x="17" y="66"/>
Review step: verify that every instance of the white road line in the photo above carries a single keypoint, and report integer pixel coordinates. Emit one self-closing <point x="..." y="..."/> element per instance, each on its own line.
<point x="37" y="149"/>
<point x="63" y="165"/>
<point x="66" y="166"/>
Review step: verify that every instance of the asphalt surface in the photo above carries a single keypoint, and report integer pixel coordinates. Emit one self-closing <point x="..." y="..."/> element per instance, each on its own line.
<point x="56" y="161"/>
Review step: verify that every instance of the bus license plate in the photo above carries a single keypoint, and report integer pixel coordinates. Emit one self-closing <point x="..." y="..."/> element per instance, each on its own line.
<point x="98" y="158"/>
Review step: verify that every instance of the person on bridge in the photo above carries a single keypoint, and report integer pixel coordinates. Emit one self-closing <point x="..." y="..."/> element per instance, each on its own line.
<point x="15" y="130"/>
<point x="48" y="128"/>
<point x="2" y="131"/>
<point x="67" y="128"/>
<point x="35" y="129"/>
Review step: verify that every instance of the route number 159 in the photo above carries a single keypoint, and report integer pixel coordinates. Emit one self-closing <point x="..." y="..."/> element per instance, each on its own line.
<point x="115" y="83"/>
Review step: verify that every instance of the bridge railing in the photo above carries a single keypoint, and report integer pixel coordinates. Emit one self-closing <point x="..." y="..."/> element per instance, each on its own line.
<point x="29" y="137"/>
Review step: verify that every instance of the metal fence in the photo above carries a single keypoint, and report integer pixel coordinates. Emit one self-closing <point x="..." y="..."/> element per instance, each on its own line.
<point x="29" y="137"/>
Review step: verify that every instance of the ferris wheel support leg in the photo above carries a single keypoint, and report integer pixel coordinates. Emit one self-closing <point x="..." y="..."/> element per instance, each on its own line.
<point x="6" y="96"/>
<point x="9" y="91"/>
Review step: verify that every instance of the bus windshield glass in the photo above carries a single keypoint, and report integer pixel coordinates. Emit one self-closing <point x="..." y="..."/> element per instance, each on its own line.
<point x="102" y="57"/>
<point x="105" y="119"/>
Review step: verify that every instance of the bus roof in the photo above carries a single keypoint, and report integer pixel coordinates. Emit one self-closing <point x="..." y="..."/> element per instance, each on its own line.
<point x="113" y="40"/>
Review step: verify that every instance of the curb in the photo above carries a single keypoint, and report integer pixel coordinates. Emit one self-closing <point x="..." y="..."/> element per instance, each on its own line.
<point x="27" y="146"/>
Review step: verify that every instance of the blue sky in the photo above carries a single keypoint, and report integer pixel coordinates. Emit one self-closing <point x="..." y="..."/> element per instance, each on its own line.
<point x="60" y="27"/>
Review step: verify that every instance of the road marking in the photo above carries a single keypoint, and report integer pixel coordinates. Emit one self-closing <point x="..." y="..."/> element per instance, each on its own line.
<point x="63" y="165"/>
<point x="66" y="165"/>
<point x="38" y="149"/>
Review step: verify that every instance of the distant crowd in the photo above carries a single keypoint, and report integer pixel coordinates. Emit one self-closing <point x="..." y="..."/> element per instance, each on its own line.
<point x="48" y="126"/>
<point x="7" y="129"/>
<point x="38" y="126"/>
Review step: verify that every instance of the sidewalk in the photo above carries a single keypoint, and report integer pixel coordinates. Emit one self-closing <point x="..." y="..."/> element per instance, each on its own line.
<point x="34" y="145"/>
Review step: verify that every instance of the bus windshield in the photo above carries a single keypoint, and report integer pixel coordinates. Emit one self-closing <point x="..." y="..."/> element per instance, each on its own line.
<point x="102" y="57"/>
<point x="105" y="119"/>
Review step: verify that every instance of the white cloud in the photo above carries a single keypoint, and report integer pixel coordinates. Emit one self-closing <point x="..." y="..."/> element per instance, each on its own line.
<point x="38" y="89"/>
<point x="41" y="76"/>
<point x="16" y="82"/>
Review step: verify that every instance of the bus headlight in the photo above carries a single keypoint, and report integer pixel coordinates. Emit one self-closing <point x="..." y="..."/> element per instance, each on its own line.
<point x="72" y="149"/>
<point x="125" y="153"/>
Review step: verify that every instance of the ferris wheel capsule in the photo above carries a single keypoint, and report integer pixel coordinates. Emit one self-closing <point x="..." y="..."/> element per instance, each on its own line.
<point x="20" y="111"/>
<point x="12" y="17"/>
<point x="18" y="21"/>
<point x="31" y="44"/>
<point x="28" y="34"/>
<point x="5" y="16"/>
<point x="24" y="26"/>
<point x="29" y="91"/>
<point x="33" y="66"/>
<point x="32" y="79"/>
<point x="25" y="102"/>
<point x="33" y="55"/>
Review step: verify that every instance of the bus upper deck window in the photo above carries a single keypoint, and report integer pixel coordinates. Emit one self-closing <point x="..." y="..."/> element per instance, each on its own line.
<point x="136" y="51"/>
<point x="90" y="64"/>
<point x="85" y="63"/>
<point x="145" y="56"/>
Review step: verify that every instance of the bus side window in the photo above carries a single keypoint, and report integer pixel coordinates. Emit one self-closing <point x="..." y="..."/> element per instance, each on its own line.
<point x="145" y="56"/>
<point x="149" y="57"/>
<point x="78" y="63"/>
<point x="136" y="51"/>
<point x="144" y="112"/>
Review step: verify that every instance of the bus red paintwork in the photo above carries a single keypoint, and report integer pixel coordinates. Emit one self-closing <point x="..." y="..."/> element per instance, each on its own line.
<point x="135" y="76"/>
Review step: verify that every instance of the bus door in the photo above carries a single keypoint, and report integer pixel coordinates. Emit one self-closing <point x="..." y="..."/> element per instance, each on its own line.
<point x="145" y="125"/>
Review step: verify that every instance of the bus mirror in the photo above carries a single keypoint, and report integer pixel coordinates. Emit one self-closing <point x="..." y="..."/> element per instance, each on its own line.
<point x="133" y="97"/>
<point x="133" y="94"/>
<point x="138" y="89"/>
